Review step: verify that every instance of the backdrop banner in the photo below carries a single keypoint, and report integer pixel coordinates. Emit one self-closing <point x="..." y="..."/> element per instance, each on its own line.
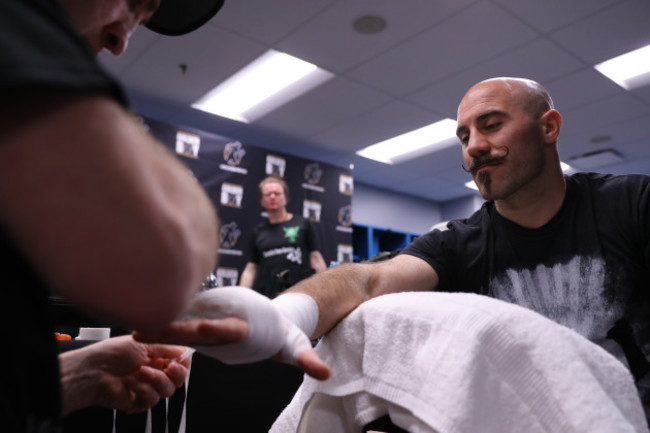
<point x="230" y="172"/>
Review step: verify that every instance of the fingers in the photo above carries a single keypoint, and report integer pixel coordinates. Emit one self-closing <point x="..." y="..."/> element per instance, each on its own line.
<point x="168" y="351"/>
<point x="199" y="331"/>
<point x="177" y="372"/>
<point x="311" y="364"/>
<point x="298" y="351"/>
<point x="150" y="385"/>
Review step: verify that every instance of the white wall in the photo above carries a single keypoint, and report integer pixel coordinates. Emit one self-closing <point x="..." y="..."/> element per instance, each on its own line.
<point x="386" y="209"/>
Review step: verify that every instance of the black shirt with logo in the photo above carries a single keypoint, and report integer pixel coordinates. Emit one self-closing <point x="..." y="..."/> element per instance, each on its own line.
<point x="281" y="252"/>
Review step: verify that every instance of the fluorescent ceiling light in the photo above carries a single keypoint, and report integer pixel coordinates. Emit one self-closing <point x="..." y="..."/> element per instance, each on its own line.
<point x="629" y="70"/>
<point x="268" y="82"/>
<point x="412" y="144"/>
<point x="566" y="168"/>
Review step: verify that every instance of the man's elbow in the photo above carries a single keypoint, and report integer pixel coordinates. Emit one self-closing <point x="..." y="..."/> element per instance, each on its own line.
<point x="151" y="286"/>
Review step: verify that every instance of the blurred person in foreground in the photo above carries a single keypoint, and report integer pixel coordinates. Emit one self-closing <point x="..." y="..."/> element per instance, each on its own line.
<point x="92" y="208"/>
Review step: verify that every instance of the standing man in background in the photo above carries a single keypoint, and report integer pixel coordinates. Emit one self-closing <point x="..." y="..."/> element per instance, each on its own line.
<point x="284" y="249"/>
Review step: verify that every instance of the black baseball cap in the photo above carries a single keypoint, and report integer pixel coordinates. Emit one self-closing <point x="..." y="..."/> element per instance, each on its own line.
<point x="178" y="17"/>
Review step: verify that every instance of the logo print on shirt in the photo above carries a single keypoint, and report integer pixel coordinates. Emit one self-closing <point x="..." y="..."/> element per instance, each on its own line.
<point x="291" y="233"/>
<point x="571" y="294"/>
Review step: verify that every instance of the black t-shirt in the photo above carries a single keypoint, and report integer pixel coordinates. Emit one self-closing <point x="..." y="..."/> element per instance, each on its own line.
<point x="281" y="252"/>
<point x="588" y="268"/>
<point x="39" y="49"/>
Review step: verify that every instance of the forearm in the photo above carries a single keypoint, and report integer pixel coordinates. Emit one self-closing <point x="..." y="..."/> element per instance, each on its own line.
<point x="337" y="292"/>
<point x="317" y="262"/>
<point x="248" y="275"/>
<point x="129" y="234"/>
<point x="78" y="382"/>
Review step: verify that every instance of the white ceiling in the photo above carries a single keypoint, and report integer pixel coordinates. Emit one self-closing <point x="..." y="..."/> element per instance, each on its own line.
<point x="412" y="74"/>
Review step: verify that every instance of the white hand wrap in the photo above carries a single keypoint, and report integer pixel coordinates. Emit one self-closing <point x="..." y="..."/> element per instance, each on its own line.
<point x="301" y="312"/>
<point x="279" y="326"/>
<point x="299" y="308"/>
<point x="268" y="329"/>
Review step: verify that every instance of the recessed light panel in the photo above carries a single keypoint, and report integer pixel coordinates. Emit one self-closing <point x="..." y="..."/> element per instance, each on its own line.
<point x="268" y="82"/>
<point x="630" y="70"/>
<point x="412" y="144"/>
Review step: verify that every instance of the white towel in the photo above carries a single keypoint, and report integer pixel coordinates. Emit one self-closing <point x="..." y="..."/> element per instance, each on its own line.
<point x="462" y="363"/>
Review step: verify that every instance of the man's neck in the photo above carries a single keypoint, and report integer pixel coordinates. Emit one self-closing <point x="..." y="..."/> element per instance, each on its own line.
<point x="279" y="216"/>
<point x="533" y="209"/>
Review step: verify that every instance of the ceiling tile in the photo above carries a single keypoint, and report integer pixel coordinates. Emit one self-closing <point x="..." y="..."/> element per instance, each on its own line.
<point x="267" y="22"/>
<point x="543" y="14"/>
<point x="548" y="62"/>
<point x="373" y="126"/>
<point x="581" y="88"/>
<point x="323" y="108"/>
<point x="331" y="40"/>
<point x="434" y="54"/>
<point x="610" y="33"/>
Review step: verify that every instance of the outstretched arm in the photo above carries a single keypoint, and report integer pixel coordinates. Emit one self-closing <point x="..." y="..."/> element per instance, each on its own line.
<point x="342" y="288"/>
<point x="278" y="329"/>
<point x="263" y="329"/>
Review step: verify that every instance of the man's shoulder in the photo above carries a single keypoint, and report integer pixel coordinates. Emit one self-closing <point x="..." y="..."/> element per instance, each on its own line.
<point x="473" y="224"/>
<point x="607" y="183"/>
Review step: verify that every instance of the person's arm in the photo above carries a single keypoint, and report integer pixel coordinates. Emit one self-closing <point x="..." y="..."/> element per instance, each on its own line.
<point x="120" y="373"/>
<point x="248" y="275"/>
<point x="340" y="289"/>
<point x="310" y="308"/>
<point x="238" y="325"/>
<point x="105" y="214"/>
<point x="317" y="262"/>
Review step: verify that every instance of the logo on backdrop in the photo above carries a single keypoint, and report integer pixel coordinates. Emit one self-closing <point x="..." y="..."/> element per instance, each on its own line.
<point x="345" y="219"/>
<point x="188" y="144"/>
<point x="233" y="155"/>
<point x="227" y="277"/>
<point x="344" y="253"/>
<point x="311" y="210"/>
<point x="346" y="184"/>
<point x="275" y="165"/>
<point x="228" y="237"/>
<point x="231" y="194"/>
<point x="313" y="174"/>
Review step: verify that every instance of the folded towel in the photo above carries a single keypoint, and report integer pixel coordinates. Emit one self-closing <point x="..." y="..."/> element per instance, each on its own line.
<point x="455" y="362"/>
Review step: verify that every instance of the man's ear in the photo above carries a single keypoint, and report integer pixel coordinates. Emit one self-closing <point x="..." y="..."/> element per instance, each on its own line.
<point x="551" y="122"/>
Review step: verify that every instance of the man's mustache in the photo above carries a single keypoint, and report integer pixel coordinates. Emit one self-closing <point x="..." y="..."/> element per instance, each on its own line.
<point x="485" y="159"/>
